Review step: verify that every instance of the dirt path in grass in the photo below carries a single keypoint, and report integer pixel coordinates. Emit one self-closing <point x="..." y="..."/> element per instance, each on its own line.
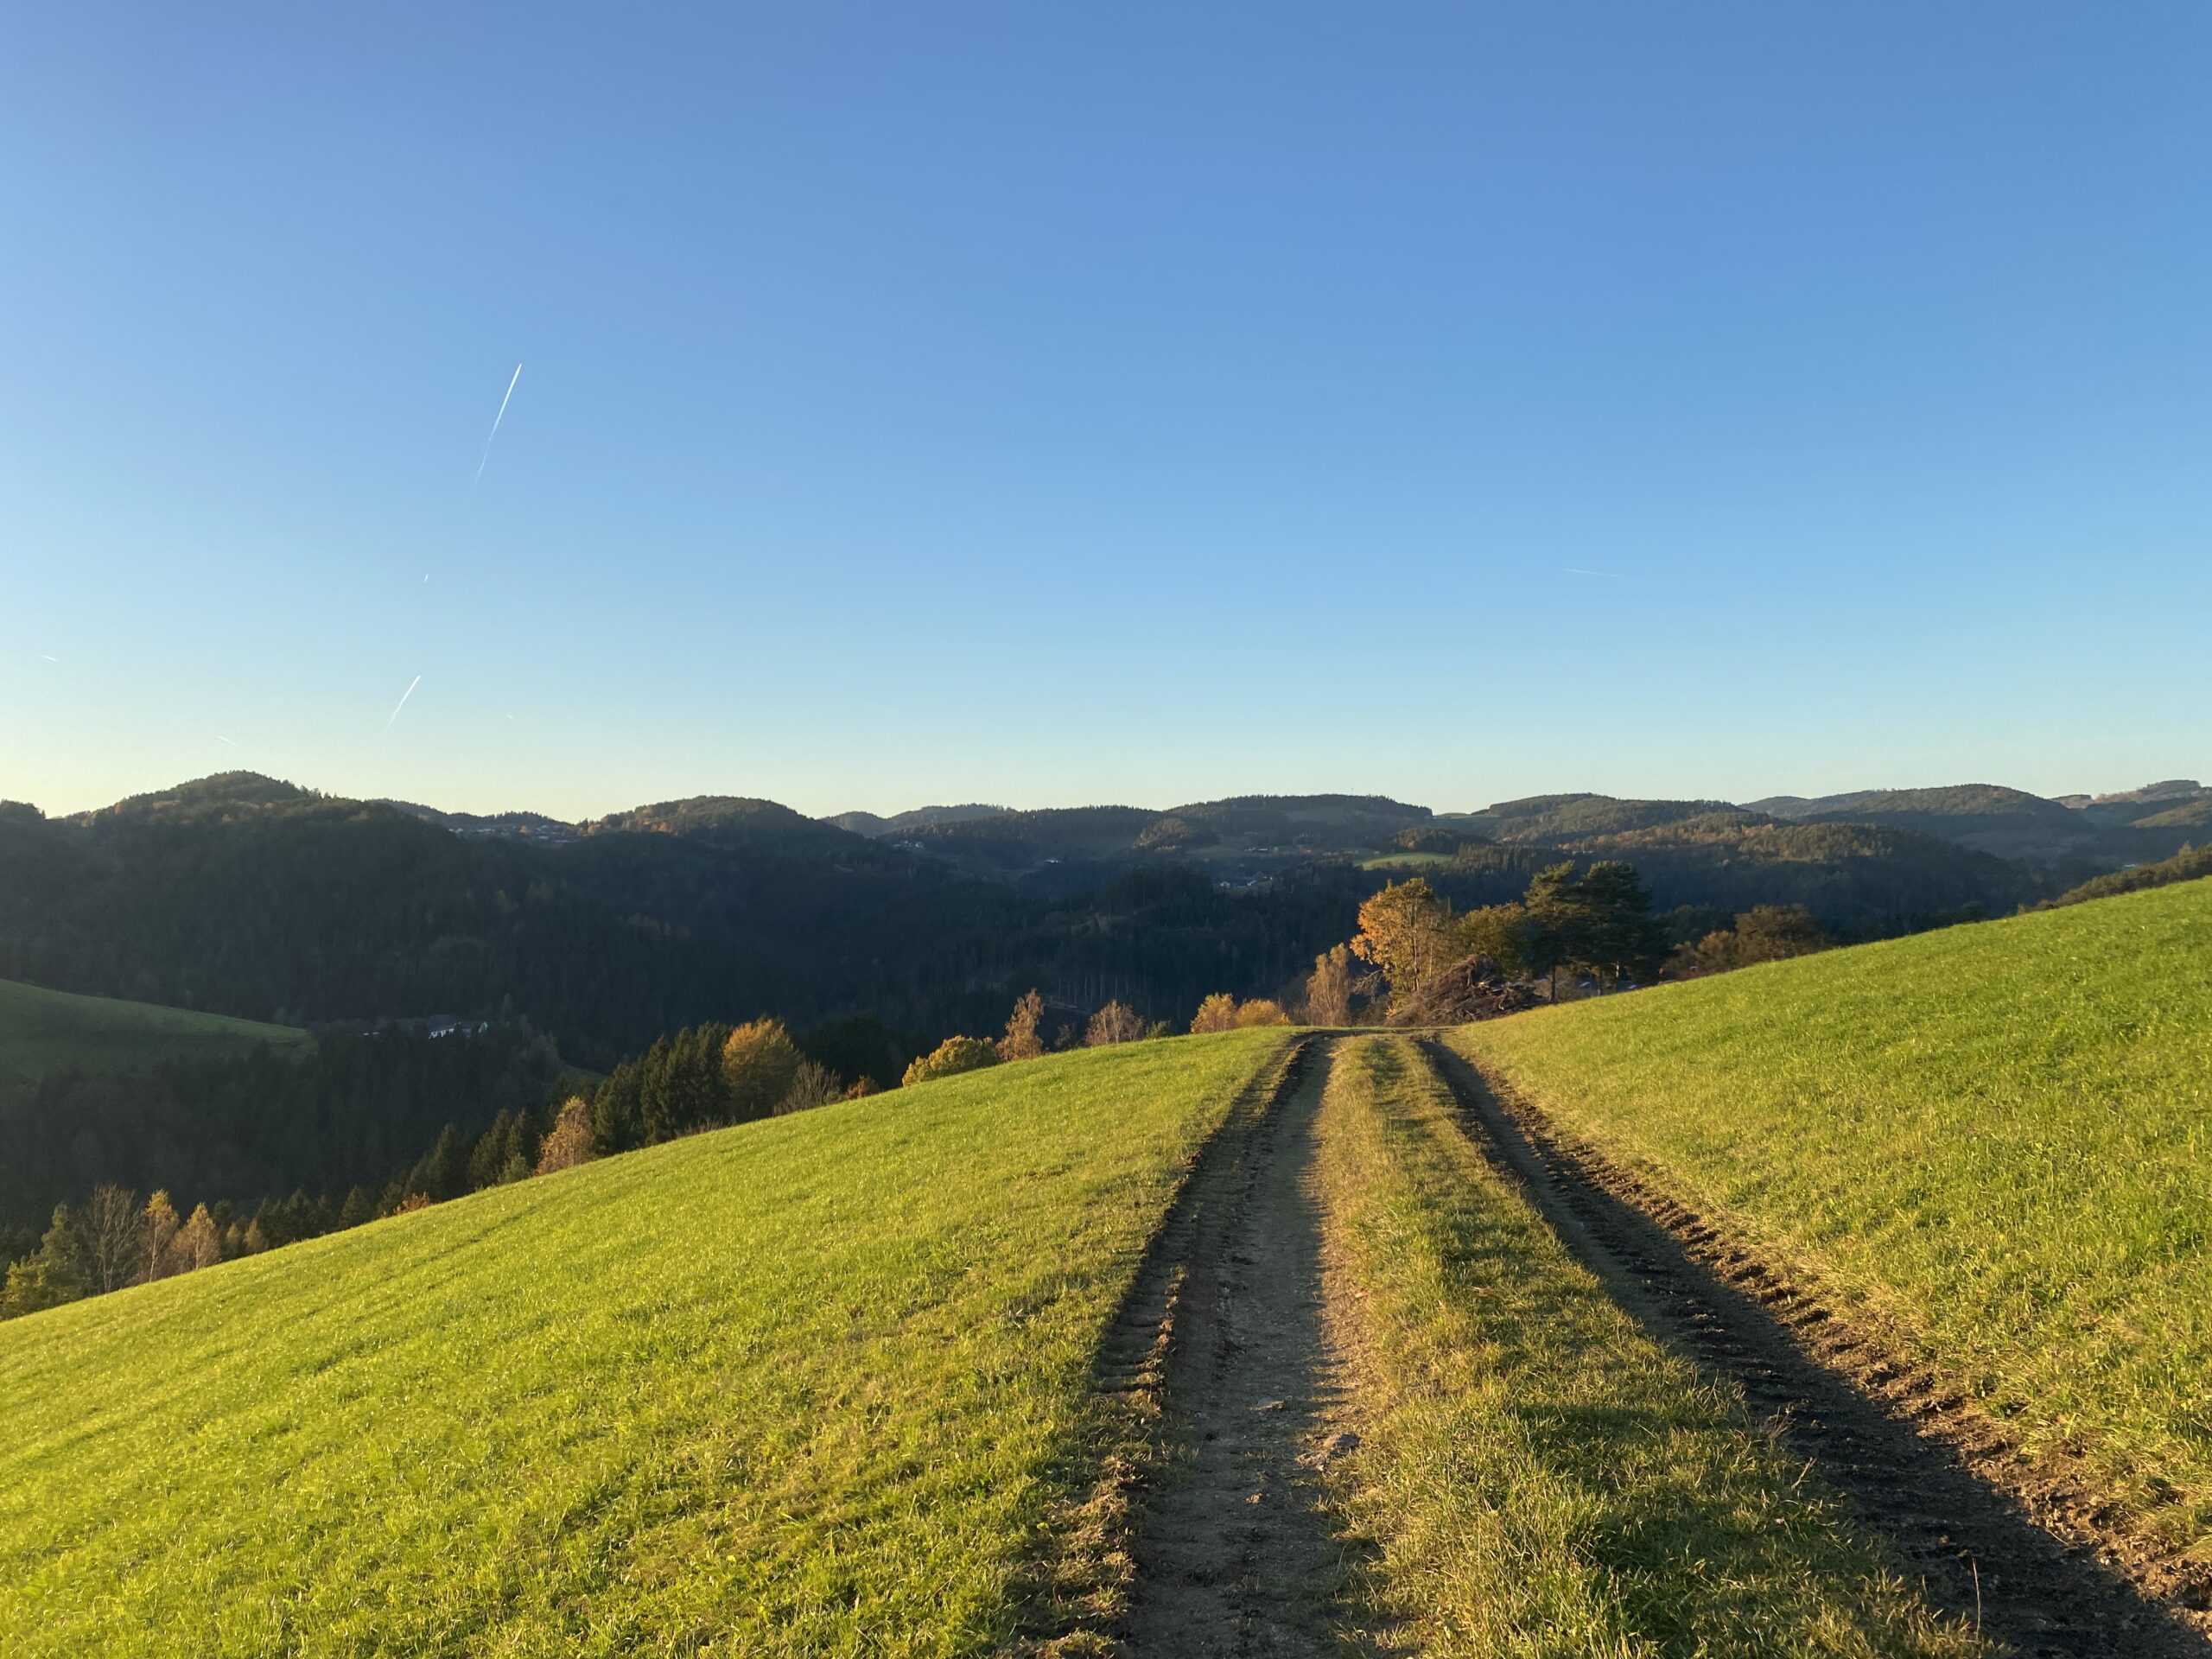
<point x="1877" y="1436"/>
<point x="1236" y="1553"/>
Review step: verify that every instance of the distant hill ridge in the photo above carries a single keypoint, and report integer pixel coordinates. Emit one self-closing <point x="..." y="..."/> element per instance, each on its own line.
<point x="868" y="825"/>
<point x="257" y="897"/>
<point x="2079" y="833"/>
<point x="2092" y="831"/>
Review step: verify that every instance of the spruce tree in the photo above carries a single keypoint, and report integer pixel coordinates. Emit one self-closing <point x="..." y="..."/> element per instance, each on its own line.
<point x="56" y="1273"/>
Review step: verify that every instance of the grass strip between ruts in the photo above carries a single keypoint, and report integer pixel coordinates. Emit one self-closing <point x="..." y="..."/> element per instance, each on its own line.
<point x="1537" y="1475"/>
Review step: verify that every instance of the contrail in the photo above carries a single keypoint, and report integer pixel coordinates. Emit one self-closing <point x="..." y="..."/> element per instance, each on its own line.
<point x="220" y="738"/>
<point x="402" y="704"/>
<point x="496" y="419"/>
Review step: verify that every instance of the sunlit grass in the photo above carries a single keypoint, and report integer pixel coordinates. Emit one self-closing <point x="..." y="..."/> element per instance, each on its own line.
<point x="1540" y="1477"/>
<point x="807" y="1386"/>
<point x="1995" y="1140"/>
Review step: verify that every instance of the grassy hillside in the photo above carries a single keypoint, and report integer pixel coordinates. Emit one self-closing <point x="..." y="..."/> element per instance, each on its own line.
<point x="1994" y="1141"/>
<point x="43" y="1031"/>
<point x="809" y="1386"/>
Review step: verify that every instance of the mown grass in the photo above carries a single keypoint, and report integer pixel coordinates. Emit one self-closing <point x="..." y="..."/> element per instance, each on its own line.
<point x="1539" y="1476"/>
<point x="43" y="1031"/>
<point x="809" y="1386"/>
<point x="1993" y="1142"/>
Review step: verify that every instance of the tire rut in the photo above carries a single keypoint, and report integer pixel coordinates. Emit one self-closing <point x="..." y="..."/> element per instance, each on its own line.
<point x="1874" y="1436"/>
<point x="1237" y="1552"/>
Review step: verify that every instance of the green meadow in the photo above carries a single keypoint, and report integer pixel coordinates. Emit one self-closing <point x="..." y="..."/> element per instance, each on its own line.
<point x="807" y="1386"/>
<point x="1993" y="1143"/>
<point x="43" y="1031"/>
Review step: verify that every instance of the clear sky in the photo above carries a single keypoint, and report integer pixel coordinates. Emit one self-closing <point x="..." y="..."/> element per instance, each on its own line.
<point x="1049" y="403"/>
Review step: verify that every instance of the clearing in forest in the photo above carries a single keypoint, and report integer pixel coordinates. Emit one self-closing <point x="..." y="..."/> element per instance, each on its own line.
<point x="43" y="1031"/>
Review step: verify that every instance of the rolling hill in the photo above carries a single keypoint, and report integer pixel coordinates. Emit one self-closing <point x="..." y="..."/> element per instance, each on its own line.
<point x="1237" y="840"/>
<point x="876" y="828"/>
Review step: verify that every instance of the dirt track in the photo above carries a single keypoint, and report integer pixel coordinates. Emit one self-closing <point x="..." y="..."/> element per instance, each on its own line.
<point x="1232" y="1549"/>
<point x="1236" y="1553"/>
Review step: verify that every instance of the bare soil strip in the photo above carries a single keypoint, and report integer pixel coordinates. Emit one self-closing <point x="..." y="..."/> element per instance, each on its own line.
<point x="1874" y="1432"/>
<point x="1237" y="1551"/>
<point x="1088" y="1581"/>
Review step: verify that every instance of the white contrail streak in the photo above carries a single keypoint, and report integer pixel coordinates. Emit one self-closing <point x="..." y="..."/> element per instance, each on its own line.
<point x="496" y="419"/>
<point x="402" y="704"/>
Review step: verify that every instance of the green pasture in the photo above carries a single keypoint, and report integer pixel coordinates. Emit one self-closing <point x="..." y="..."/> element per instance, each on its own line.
<point x="808" y="1386"/>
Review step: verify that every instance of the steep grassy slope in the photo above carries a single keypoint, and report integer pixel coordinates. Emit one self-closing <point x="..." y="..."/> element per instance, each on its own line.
<point x="1995" y="1142"/>
<point x="809" y="1386"/>
<point x="1540" y="1475"/>
<point x="43" y="1031"/>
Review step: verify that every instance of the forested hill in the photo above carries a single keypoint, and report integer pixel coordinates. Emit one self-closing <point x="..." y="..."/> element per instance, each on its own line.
<point x="1254" y="836"/>
<point x="2077" y="831"/>
<point x="245" y="896"/>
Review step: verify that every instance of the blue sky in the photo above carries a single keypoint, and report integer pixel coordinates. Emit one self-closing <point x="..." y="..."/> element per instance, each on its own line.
<point x="1052" y="404"/>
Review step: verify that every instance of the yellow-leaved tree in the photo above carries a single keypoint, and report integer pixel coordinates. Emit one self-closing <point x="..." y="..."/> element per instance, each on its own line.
<point x="1022" y="1041"/>
<point x="1328" y="992"/>
<point x="568" y="1143"/>
<point x="950" y="1057"/>
<point x="1406" y="931"/>
<point x="759" y="1065"/>
<point x="1217" y="1013"/>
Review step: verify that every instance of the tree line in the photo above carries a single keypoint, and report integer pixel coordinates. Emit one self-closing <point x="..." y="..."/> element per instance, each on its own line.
<point x="2189" y="864"/>
<point x="1432" y="965"/>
